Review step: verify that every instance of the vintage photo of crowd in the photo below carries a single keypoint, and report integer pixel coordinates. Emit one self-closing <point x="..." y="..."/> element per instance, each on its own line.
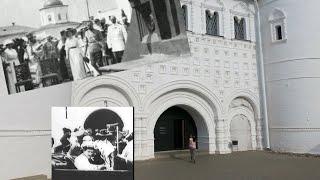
<point x="33" y="60"/>
<point x="103" y="141"/>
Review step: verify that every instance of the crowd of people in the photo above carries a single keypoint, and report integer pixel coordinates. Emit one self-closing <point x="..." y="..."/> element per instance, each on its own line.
<point x="104" y="149"/>
<point x="78" y="53"/>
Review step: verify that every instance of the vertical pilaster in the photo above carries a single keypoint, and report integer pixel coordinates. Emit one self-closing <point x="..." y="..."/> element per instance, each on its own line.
<point x="259" y="137"/>
<point x="220" y="131"/>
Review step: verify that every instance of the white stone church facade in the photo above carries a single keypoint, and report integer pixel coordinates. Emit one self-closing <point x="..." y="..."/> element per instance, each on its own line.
<point x="258" y="84"/>
<point x="217" y="85"/>
<point x="240" y="74"/>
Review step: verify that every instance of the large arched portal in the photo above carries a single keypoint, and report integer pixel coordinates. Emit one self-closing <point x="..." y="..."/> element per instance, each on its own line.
<point x="173" y="129"/>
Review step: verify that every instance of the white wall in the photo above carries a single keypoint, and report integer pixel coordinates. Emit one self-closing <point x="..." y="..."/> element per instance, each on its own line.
<point x="25" y="136"/>
<point x="293" y="76"/>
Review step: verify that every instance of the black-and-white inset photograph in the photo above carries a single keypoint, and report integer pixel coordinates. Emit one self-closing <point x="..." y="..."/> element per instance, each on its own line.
<point x="92" y="143"/>
<point x="49" y="42"/>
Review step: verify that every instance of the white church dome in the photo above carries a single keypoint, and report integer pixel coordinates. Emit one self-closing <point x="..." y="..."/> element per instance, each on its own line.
<point x="51" y="3"/>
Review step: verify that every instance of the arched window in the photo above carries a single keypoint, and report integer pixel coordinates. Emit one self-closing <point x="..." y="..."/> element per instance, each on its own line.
<point x="49" y="18"/>
<point x="59" y="17"/>
<point x="185" y="16"/>
<point x="239" y="28"/>
<point x="212" y="23"/>
<point x="277" y="20"/>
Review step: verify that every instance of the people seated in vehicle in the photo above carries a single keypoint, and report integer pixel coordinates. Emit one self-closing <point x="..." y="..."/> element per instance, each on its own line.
<point x="82" y="162"/>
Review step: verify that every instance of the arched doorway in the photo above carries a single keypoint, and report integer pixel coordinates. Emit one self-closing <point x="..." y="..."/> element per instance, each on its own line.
<point x="173" y="129"/>
<point x="240" y="132"/>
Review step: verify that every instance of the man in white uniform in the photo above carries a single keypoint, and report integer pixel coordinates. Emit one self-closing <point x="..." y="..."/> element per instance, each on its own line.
<point x="116" y="39"/>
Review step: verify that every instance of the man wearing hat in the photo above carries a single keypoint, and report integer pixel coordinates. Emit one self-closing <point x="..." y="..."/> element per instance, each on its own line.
<point x="33" y="54"/>
<point x="50" y="49"/>
<point x="93" y="45"/>
<point x="116" y="39"/>
<point x="82" y="161"/>
<point x="50" y="53"/>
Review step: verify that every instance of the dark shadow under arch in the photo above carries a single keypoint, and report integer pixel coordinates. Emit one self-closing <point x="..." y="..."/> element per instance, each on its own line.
<point x="173" y="129"/>
<point x="99" y="118"/>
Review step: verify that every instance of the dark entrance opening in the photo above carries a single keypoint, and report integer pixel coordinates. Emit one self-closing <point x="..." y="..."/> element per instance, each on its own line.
<point x="100" y="118"/>
<point x="173" y="129"/>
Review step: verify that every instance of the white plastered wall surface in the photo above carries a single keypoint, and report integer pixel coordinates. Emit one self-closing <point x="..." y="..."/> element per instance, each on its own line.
<point x="292" y="74"/>
<point x="25" y="130"/>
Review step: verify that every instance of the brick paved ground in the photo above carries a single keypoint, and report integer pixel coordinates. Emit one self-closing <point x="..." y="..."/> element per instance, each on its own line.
<point x="241" y="165"/>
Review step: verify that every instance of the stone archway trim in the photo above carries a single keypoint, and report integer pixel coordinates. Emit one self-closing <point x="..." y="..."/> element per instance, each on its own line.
<point x="251" y="97"/>
<point x="81" y="88"/>
<point x="179" y="98"/>
<point x="245" y="112"/>
<point x="185" y="86"/>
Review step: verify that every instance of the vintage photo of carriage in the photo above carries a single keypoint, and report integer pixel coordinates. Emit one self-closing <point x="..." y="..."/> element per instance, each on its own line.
<point x="92" y="143"/>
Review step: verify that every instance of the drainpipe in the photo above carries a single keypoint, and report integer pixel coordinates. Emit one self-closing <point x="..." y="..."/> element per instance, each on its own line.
<point x="261" y="73"/>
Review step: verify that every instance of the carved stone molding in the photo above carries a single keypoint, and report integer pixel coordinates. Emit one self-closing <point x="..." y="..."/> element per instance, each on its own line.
<point x="24" y="133"/>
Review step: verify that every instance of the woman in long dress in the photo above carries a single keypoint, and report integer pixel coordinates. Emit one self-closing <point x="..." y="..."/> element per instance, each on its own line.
<point x="75" y="56"/>
<point x="11" y="58"/>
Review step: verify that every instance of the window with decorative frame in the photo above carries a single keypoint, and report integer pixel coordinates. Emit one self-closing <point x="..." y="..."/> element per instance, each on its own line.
<point x="239" y="28"/>
<point x="185" y="15"/>
<point x="277" y="21"/>
<point x="212" y="23"/>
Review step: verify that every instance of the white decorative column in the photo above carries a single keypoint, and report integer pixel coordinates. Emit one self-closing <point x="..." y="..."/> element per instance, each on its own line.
<point x="227" y="137"/>
<point x="259" y="138"/>
<point x="143" y="142"/>
<point x="221" y="136"/>
<point x="138" y="131"/>
<point x="144" y="138"/>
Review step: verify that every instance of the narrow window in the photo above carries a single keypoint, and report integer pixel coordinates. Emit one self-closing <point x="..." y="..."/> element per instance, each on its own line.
<point x="59" y="17"/>
<point x="185" y="16"/>
<point x="49" y="18"/>
<point x="278" y="32"/>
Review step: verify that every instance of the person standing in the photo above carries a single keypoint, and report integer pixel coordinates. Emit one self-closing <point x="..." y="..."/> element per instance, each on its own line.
<point x="21" y="45"/>
<point x="50" y="50"/>
<point x="63" y="54"/>
<point x="73" y="53"/>
<point x="116" y="39"/>
<point x="192" y="148"/>
<point x="88" y="67"/>
<point x="33" y="55"/>
<point x="93" y="40"/>
<point x="50" y="53"/>
<point x="11" y="59"/>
